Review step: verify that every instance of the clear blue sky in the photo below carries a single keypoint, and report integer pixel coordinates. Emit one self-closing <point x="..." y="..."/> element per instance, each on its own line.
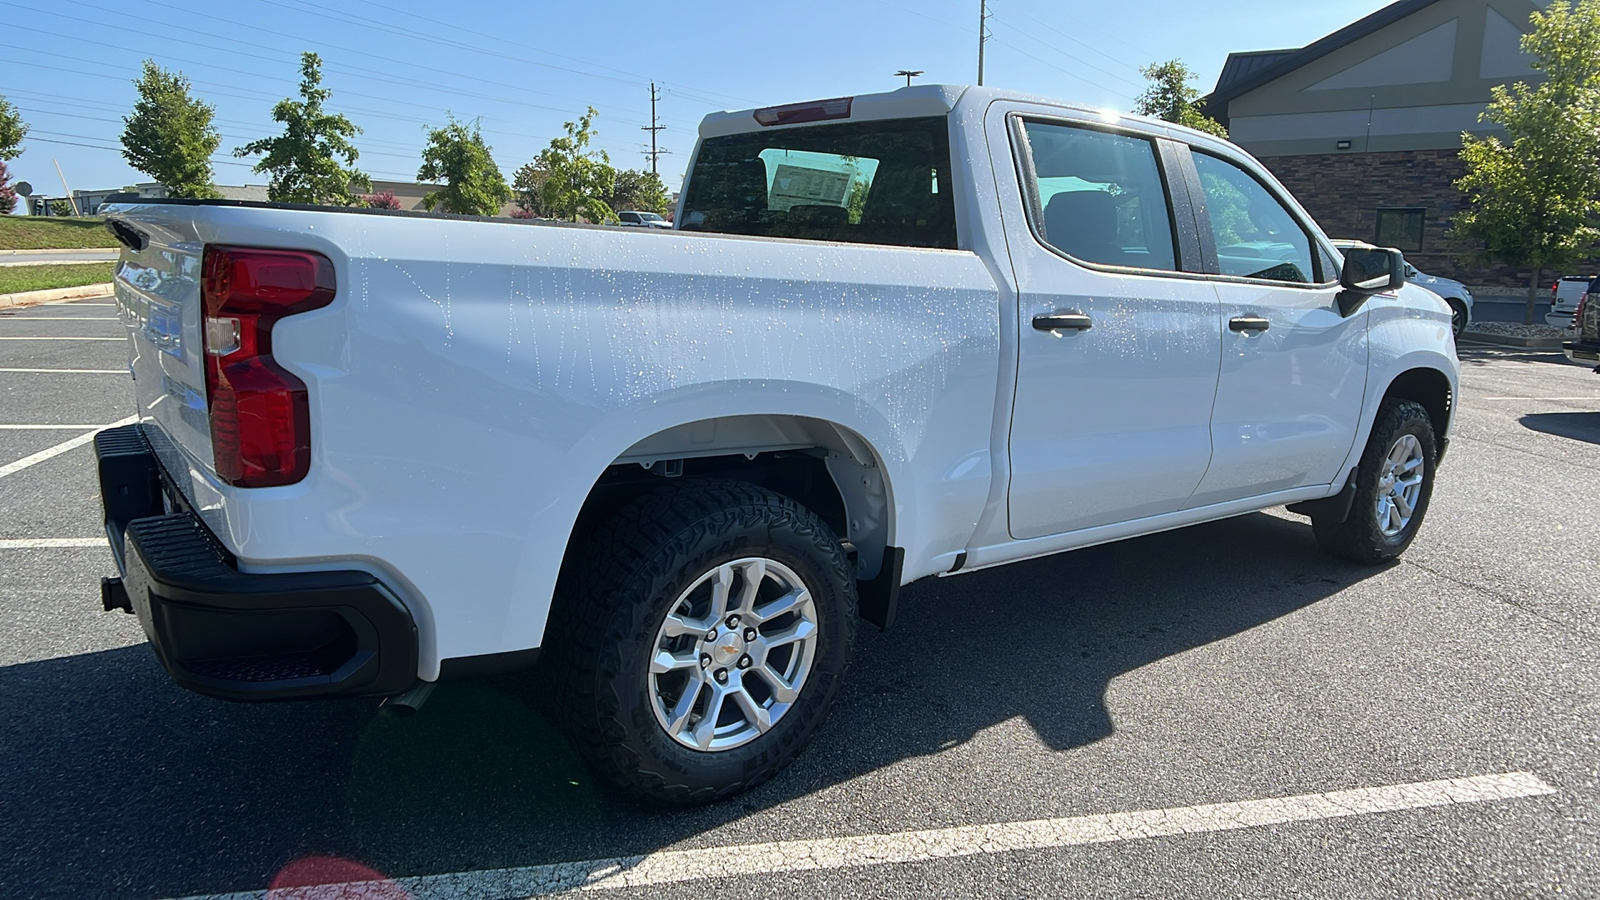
<point x="524" y="68"/>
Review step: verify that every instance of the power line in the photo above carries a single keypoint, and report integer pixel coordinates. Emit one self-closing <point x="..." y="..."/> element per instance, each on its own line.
<point x="1077" y="59"/>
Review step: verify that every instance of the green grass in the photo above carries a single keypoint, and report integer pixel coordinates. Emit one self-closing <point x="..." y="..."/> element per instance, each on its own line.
<point x="15" y="279"/>
<point x="52" y="233"/>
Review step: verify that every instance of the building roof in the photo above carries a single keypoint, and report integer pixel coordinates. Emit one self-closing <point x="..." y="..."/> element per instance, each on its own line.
<point x="1257" y="69"/>
<point x="1243" y="65"/>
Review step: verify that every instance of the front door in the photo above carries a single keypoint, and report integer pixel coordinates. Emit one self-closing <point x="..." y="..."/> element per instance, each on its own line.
<point x="1119" y="346"/>
<point x="1294" y="371"/>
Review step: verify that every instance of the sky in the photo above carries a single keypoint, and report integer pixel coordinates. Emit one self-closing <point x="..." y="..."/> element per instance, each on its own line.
<point x="522" y="69"/>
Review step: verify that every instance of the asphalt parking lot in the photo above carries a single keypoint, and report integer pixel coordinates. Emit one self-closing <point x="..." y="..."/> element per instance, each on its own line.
<point x="1123" y="721"/>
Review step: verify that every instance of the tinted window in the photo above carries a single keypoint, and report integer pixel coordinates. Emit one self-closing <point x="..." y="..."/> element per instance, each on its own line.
<point x="885" y="182"/>
<point x="1257" y="237"/>
<point x="1401" y="228"/>
<point x="1101" y="198"/>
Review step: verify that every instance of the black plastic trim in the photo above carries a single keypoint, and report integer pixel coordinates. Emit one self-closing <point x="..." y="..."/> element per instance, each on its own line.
<point x="464" y="667"/>
<point x="880" y="598"/>
<point x="238" y="635"/>
<point x="1337" y="507"/>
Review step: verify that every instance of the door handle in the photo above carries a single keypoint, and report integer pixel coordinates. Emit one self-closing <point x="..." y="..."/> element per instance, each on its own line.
<point x="1071" y="320"/>
<point x="1242" y="324"/>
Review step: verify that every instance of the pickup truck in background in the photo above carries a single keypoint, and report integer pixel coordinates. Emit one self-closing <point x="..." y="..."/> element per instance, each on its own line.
<point x="891" y="336"/>
<point x="1585" y="344"/>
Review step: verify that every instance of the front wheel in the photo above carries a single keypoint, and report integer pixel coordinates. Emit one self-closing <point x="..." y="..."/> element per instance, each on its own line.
<point x="1393" y="486"/>
<point x="706" y="629"/>
<point x="1458" y="316"/>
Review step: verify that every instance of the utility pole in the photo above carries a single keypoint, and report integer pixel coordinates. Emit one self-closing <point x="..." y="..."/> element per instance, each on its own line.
<point x="655" y="127"/>
<point x="909" y="75"/>
<point x="983" y="34"/>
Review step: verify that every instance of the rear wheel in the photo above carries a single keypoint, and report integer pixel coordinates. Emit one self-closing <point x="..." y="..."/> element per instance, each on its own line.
<point x="1394" y="483"/>
<point x="705" y="631"/>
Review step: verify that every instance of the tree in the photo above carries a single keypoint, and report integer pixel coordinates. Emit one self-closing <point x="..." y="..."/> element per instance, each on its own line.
<point x="305" y="159"/>
<point x="169" y="135"/>
<point x="640" y="190"/>
<point x="1533" y="196"/>
<point x="12" y="130"/>
<point x="528" y="184"/>
<point x="578" y="181"/>
<point x="1170" y="98"/>
<point x="8" y="194"/>
<point x="457" y="156"/>
<point x="380" y="200"/>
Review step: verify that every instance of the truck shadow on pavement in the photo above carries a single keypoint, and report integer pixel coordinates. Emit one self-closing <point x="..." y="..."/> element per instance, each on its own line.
<point x="1578" y="426"/>
<point x="114" y="782"/>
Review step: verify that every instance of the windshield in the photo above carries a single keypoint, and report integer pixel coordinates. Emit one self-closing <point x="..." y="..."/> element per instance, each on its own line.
<point x="881" y="182"/>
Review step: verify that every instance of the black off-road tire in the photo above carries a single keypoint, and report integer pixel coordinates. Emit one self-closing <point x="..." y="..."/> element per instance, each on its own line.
<point x="1360" y="538"/>
<point x="619" y="583"/>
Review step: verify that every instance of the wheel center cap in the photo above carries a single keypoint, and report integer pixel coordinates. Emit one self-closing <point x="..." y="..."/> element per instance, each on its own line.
<point x="727" y="648"/>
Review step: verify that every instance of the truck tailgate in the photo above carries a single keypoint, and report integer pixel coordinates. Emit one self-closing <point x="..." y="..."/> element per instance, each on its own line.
<point x="158" y="299"/>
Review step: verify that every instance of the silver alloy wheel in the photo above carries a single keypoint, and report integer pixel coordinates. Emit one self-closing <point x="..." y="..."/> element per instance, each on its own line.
<point x="1399" y="485"/>
<point x="733" y="654"/>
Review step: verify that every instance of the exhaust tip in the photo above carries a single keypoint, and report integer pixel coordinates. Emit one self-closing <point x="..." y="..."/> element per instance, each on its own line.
<point x="114" y="595"/>
<point x="406" y="704"/>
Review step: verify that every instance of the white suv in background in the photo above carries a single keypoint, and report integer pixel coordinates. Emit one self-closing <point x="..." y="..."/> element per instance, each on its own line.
<point x="1451" y="291"/>
<point x="1566" y="294"/>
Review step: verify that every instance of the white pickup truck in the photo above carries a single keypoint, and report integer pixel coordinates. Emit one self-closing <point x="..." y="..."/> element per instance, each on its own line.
<point x="891" y="336"/>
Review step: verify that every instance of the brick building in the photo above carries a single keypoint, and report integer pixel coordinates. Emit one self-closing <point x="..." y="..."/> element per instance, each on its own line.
<point x="1364" y="125"/>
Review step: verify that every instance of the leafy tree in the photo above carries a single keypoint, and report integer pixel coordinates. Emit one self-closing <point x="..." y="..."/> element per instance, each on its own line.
<point x="60" y="207"/>
<point x="457" y="156"/>
<point x="578" y="181"/>
<point x="1171" y="98"/>
<point x="12" y="130"/>
<point x="528" y="184"/>
<point x="305" y="159"/>
<point x="169" y="135"/>
<point x="640" y="190"/>
<point x="8" y="194"/>
<point x="1533" y="195"/>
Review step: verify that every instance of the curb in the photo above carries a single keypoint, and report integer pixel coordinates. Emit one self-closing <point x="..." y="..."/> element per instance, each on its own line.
<point x="29" y="298"/>
<point x="111" y="250"/>
<point x="1507" y="340"/>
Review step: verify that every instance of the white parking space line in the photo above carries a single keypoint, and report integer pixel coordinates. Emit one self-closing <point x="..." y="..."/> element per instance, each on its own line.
<point x="46" y="427"/>
<point x="57" y="450"/>
<point x="50" y="543"/>
<point x="60" y="319"/>
<point x="678" y="866"/>
<point x="67" y="371"/>
<point x="1543" y="399"/>
<point x="7" y="338"/>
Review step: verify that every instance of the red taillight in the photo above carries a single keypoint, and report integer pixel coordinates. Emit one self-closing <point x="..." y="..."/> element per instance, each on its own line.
<point x="260" y="416"/>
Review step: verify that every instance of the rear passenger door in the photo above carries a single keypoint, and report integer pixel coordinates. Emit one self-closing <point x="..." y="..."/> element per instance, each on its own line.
<point x="1119" y="338"/>
<point x="1294" y="370"/>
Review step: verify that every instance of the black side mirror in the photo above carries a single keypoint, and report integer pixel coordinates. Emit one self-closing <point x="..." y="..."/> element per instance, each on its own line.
<point x="1367" y="271"/>
<point x="1370" y="270"/>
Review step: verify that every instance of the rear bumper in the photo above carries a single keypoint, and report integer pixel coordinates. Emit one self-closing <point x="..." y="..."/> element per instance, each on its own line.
<point x="1582" y="351"/>
<point x="238" y="635"/>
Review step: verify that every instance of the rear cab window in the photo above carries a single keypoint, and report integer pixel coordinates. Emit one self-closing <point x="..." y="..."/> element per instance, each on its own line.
<point x="874" y="182"/>
<point x="1098" y="196"/>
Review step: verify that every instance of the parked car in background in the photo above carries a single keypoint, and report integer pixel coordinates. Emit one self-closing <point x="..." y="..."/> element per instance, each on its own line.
<point x="645" y="219"/>
<point x="1451" y="291"/>
<point x="1567" y="293"/>
<point x="1585" y="344"/>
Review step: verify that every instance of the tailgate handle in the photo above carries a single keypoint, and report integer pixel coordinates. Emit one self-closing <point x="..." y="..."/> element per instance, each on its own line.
<point x="131" y="237"/>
